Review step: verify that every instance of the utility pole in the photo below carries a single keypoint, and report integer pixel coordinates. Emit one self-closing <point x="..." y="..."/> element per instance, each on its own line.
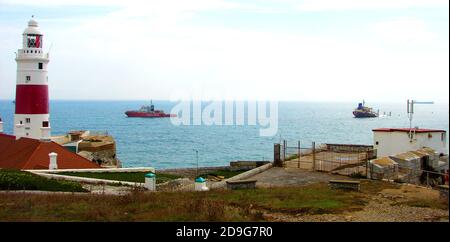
<point x="196" y="156"/>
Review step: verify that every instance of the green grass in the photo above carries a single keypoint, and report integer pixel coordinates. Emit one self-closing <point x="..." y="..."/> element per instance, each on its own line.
<point x="317" y="198"/>
<point x="219" y="205"/>
<point x="215" y="205"/>
<point x="22" y="180"/>
<point x="292" y="157"/>
<point x="225" y="173"/>
<point x="122" y="176"/>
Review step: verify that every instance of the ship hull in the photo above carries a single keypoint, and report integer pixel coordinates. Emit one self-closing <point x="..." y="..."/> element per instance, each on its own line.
<point x="135" y="114"/>
<point x="364" y="115"/>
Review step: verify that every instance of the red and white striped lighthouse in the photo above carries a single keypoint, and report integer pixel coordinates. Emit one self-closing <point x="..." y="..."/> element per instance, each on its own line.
<point x="31" y="118"/>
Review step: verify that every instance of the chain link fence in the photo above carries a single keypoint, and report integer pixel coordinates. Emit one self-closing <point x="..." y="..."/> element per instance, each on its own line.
<point x="352" y="160"/>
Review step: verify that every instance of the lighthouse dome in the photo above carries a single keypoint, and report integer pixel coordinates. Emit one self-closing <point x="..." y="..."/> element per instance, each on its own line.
<point x="33" y="27"/>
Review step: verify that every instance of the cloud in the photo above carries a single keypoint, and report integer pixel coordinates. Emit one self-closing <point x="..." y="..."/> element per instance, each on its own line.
<point x="345" y="5"/>
<point x="403" y="31"/>
<point x="150" y="50"/>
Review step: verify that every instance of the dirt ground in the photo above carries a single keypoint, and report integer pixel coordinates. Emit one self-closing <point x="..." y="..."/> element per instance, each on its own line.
<point x="389" y="205"/>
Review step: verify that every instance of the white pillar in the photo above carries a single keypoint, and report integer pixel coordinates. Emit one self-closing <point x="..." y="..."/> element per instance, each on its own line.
<point x="200" y="184"/>
<point x="45" y="134"/>
<point x="20" y="130"/>
<point x="150" y="181"/>
<point x="53" y="157"/>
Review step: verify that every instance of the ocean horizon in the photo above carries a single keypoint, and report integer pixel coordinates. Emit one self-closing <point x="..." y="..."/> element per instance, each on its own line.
<point x="159" y="143"/>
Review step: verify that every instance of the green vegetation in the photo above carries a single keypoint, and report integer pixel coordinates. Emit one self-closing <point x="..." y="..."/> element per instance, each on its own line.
<point x="313" y="199"/>
<point x="122" y="176"/>
<point x="219" y="205"/>
<point x="224" y="172"/>
<point x="291" y="157"/>
<point x="22" y="180"/>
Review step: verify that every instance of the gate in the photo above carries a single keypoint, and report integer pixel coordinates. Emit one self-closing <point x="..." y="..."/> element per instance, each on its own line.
<point x="335" y="158"/>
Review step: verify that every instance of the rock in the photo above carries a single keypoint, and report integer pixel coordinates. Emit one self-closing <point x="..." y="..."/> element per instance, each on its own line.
<point x="102" y="157"/>
<point x="86" y="154"/>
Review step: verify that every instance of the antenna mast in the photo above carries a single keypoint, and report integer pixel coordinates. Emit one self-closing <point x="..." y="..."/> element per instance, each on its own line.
<point x="410" y="111"/>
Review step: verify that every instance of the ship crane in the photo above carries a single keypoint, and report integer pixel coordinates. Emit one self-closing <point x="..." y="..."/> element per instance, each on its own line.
<point x="410" y="111"/>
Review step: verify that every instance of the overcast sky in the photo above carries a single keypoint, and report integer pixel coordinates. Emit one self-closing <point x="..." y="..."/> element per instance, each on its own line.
<point x="321" y="50"/>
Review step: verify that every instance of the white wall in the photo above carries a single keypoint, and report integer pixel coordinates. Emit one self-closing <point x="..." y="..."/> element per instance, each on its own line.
<point x="33" y="129"/>
<point x="392" y="143"/>
<point x="28" y="66"/>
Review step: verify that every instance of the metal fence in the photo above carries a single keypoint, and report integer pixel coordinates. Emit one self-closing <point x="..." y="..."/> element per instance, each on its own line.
<point x="335" y="158"/>
<point x="351" y="160"/>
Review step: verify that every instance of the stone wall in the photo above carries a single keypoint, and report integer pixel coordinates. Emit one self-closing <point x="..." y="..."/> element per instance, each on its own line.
<point x="100" y="149"/>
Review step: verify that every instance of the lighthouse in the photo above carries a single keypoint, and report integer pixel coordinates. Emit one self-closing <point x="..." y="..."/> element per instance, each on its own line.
<point x="31" y="118"/>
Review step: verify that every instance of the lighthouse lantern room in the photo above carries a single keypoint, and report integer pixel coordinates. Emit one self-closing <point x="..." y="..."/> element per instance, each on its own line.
<point x="31" y="117"/>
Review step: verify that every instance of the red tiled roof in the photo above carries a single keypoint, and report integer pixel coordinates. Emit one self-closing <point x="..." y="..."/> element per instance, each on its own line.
<point x="407" y="130"/>
<point x="26" y="153"/>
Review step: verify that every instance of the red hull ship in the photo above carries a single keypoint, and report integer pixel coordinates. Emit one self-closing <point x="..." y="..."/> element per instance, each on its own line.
<point x="148" y="112"/>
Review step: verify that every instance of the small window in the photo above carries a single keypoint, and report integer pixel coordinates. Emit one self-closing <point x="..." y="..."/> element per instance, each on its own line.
<point x="27" y="134"/>
<point x="27" y="120"/>
<point x="40" y="65"/>
<point x="28" y="78"/>
<point x="45" y="124"/>
<point x="377" y="143"/>
<point x="442" y="136"/>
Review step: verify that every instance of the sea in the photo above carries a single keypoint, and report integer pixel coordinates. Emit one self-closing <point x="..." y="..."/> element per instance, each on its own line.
<point x="161" y="144"/>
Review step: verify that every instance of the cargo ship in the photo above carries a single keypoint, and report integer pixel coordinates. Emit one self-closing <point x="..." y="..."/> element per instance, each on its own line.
<point x="148" y="112"/>
<point x="364" y="112"/>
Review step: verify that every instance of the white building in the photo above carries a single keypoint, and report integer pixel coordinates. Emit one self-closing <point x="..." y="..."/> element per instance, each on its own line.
<point x="31" y="117"/>
<point x="392" y="141"/>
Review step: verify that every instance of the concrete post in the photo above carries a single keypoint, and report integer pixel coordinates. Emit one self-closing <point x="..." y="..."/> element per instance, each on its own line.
<point x="276" y="155"/>
<point x="150" y="182"/>
<point x="200" y="184"/>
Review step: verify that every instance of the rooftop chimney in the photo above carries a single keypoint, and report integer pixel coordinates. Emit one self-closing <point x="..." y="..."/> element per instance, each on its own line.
<point x="45" y="134"/>
<point x="53" y="157"/>
<point x="20" y="128"/>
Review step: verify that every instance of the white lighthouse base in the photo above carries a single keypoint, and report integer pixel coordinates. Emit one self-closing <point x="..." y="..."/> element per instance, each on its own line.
<point x="33" y="128"/>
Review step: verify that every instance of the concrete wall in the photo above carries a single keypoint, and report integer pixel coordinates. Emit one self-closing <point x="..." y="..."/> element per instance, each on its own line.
<point x="392" y="143"/>
<point x="242" y="176"/>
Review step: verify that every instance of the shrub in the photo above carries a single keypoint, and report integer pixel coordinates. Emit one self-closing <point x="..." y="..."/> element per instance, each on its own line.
<point x="22" y="180"/>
